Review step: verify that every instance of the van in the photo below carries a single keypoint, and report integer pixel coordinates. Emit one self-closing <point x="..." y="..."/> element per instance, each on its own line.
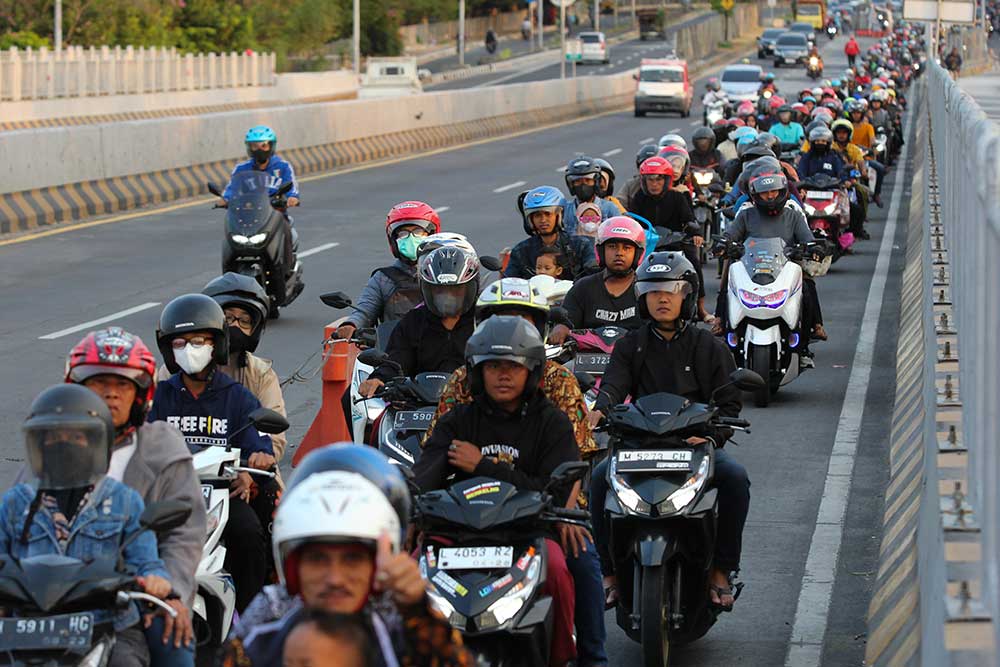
<point x="663" y="85"/>
<point x="594" y="48"/>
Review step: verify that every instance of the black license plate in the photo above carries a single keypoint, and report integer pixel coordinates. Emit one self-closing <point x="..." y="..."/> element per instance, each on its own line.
<point x="593" y="363"/>
<point x="413" y="420"/>
<point x="47" y="632"/>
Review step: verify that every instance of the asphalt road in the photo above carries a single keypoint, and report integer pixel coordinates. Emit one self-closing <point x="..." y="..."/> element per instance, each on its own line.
<point x="57" y="283"/>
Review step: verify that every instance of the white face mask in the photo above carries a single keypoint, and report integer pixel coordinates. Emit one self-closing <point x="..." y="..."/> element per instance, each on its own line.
<point x="192" y="359"/>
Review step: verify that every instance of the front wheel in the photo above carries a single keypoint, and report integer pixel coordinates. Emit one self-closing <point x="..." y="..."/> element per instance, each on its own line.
<point x="760" y="363"/>
<point x="655" y="615"/>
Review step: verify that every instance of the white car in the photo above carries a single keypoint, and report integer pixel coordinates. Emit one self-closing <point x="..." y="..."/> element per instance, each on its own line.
<point x="594" y="47"/>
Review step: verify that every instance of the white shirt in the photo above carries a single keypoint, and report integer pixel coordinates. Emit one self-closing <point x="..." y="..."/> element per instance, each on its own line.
<point x="120" y="458"/>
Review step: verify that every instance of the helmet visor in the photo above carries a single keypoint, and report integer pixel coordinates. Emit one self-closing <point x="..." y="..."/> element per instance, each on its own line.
<point x="681" y="287"/>
<point x="446" y="300"/>
<point x="66" y="452"/>
<point x="527" y="362"/>
<point x="82" y="373"/>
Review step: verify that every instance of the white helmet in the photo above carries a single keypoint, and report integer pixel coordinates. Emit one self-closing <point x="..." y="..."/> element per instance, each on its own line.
<point x="334" y="507"/>
<point x="673" y="140"/>
<point x="442" y="239"/>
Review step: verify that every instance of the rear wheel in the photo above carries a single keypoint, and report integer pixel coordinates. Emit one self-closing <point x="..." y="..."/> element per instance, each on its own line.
<point x="760" y="363"/>
<point x="655" y="615"/>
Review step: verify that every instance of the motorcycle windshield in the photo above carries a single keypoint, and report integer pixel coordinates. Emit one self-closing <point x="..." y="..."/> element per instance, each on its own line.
<point x="250" y="203"/>
<point x="764" y="256"/>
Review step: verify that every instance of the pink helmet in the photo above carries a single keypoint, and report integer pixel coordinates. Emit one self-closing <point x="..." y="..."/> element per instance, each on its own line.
<point x="621" y="228"/>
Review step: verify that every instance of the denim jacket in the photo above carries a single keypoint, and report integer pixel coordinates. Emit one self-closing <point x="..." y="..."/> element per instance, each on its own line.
<point x="110" y="516"/>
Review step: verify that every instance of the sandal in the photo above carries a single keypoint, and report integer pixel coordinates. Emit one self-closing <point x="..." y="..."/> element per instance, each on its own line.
<point x="610" y="597"/>
<point x="721" y="591"/>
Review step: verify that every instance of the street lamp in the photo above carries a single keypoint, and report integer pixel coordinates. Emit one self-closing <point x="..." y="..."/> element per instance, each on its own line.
<point x="357" y="38"/>
<point x="57" y="32"/>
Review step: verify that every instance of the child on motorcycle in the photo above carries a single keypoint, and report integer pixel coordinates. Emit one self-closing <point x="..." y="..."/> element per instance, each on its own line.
<point x="551" y="262"/>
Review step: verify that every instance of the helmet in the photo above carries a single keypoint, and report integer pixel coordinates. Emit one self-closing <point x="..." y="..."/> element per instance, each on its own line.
<point x="410" y="213"/>
<point x="679" y="160"/>
<point x="820" y="134"/>
<point x="234" y="289"/>
<point x="661" y="271"/>
<point x="768" y="140"/>
<point x="813" y="125"/>
<point x="621" y="228"/>
<point x="513" y="294"/>
<point x="785" y="108"/>
<point x="756" y="151"/>
<point x="817" y="92"/>
<point x="189" y="313"/>
<point x="808" y="98"/>
<point x="510" y="338"/>
<point x="68" y="437"/>
<point x="841" y="124"/>
<point x="261" y="133"/>
<point x="443" y="240"/>
<point x="745" y="108"/>
<point x="578" y="169"/>
<point x="445" y="268"/>
<point x="769" y="77"/>
<point x="544" y="198"/>
<point x="836" y="83"/>
<point x="800" y="108"/>
<point x="775" y="103"/>
<point x="655" y="166"/>
<point x="335" y="507"/>
<point x="824" y="114"/>
<point x="672" y="140"/>
<point x="740" y="132"/>
<point x="736" y="123"/>
<point x="607" y="172"/>
<point x="703" y="134"/>
<point x="114" y="351"/>
<point x="713" y="84"/>
<point x="767" y="180"/>
<point x="744" y="143"/>
<point x="647" y="151"/>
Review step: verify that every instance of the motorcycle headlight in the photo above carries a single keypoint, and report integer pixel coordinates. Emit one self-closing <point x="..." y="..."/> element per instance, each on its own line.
<point x="440" y="602"/>
<point x="96" y="656"/>
<point x="507" y="607"/>
<point x="809" y="209"/>
<point x="256" y="239"/>
<point x="214" y="518"/>
<point x="626" y="495"/>
<point x="814" y="61"/>
<point x="683" y="496"/>
<point x="767" y="94"/>
<point x="703" y="178"/>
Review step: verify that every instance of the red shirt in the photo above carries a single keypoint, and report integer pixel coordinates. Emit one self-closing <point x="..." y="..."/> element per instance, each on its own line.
<point x="852" y="48"/>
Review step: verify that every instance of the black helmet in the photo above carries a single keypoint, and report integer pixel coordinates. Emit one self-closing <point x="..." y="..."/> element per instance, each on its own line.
<point x="706" y="134"/>
<point x="769" y="141"/>
<point x="68" y="435"/>
<point x="444" y="268"/>
<point x="646" y="152"/>
<point x="579" y="168"/>
<point x="507" y="337"/>
<point x="768" y="180"/>
<point x="755" y="151"/>
<point x="785" y="108"/>
<point x="189" y="313"/>
<point x="659" y="269"/>
<point x="609" y="172"/>
<point x="234" y="289"/>
<point x="368" y="462"/>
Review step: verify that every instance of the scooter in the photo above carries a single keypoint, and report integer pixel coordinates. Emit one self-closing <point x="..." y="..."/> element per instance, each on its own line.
<point x="714" y="112"/>
<point x="661" y="511"/>
<point x="828" y="211"/>
<point x="256" y="237"/>
<point x="831" y="31"/>
<point x="484" y="557"/>
<point x="814" y="67"/>
<point x="764" y="310"/>
<point x="707" y="190"/>
<point x="49" y="601"/>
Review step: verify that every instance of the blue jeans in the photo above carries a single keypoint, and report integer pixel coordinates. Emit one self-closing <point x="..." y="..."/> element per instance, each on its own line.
<point x="734" y="504"/>
<point x="166" y="655"/>
<point x="589" y="610"/>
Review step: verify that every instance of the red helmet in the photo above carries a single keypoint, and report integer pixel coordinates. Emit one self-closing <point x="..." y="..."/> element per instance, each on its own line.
<point x="737" y="122"/>
<point x="114" y="351"/>
<point x="622" y="228"/>
<point x="410" y="213"/>
<point x="654" y="166"/>
<point x="776" y="103"/>
<point x="745" y="108"/>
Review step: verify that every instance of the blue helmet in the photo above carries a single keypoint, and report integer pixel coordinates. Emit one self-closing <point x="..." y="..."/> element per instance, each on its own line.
<point x="836" y="83"/>
<point x="741" y="132"/>
<point x="261" y="133"/>
<point x="541" y="198"/>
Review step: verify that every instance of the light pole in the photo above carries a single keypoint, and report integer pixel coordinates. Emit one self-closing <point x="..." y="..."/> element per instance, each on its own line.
<point x="562" y="40"/>
<point x="57" y="31"/>
<point x="461" y="33"/>
<point x="541" y="24"/>
<point x="357" y="38"/>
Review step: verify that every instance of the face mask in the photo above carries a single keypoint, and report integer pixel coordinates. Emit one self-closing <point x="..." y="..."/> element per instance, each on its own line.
<point x="261" y="156"/>
<point x="193" y="360"/>
<point x="584" y="192"/>
<point x="239" y="342"/>
<point x="820" y="149"/>
<point x="408" y="247"/>
<point x="589" y="227"/>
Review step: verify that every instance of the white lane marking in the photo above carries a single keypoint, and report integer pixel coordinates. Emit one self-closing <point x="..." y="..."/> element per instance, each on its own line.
<point x="561" y="169"/>
<point x="613" y="151"/>
<point x="442" y="209"/>
<point x="695" y="122"/>
<point x="647" y="140"/>
<point x="509" y="186"/>
<point x="805" y="647"/>
<point x="317" y="249"/>
<point x="100" y="320"/>
<point x="676" y="130"/>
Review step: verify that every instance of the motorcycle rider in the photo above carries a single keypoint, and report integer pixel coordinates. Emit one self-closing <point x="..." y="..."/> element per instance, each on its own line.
<point x="715" y="95"/>
<point x="669" y="354"/>
<point x="543" y="210"/>
<point x="606" y="298"/>
<point x="432" y="337"/>
<point x="606" y="185"/>
<point x="514" y="296"/>
<point x="69" y="435"/>
<point x="512" y="433"/>
<point x="633" y="185"/>
<point x="864" y="132"/>
<point x="209" y="407"/>
<point x="337" y="538"/>
<point x="821" y="158"/>
<point x="153" y="459"/>
<point x="582" y="177"/>
<point x="704" y="154"/>
<point x="855" y="161"/>
<point x="786" y="130"/>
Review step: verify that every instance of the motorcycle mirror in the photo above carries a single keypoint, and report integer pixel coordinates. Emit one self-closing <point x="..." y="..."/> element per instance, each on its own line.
<point x="567" y="473"/>
<point x="214" y="189"/>
<point x="746" y="379"/>
<point x="268" y="421"/>
<point x="165" y="515"/>
<point x="284" y="189"/>
<point x="372" y="357"/>
<point x="490" y="263"/>
<point x="585" y="380"/>
<point x="336" y="300"/>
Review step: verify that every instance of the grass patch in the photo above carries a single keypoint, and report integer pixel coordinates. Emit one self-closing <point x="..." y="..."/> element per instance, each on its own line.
<point x="725" y="45"/>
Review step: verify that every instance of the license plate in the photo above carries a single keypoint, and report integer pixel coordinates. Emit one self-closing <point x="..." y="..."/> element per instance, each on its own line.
<point x="413" y="420"/>
<point x="48" y="632"/>
<point x="656" y="460"/>
<point x="206" y="494"/>
<point x="475" y="558"/>
<point x="591" y="363"/>
<point x="820" y="194"/>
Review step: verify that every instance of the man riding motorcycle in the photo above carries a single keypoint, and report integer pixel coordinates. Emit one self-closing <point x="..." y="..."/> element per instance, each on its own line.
<point x="703" y="153"/>
<point x="606" y="185"/>
<point x="786" y="130"/>
<point x="543" y="210"/>
<point x="715" y="95"/>
<point x="582" y="181"/>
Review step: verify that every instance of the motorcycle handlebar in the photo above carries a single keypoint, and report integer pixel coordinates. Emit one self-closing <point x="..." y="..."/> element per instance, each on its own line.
<point x="575" y="515"/>
<point x="733" y="421"/>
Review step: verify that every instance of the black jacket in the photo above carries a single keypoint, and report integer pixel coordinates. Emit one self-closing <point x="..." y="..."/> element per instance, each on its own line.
<point x="673" y="210"/>
<point x="693" y="365"/>
<point x="421" y="344"/>
<point x="522" y="449"/>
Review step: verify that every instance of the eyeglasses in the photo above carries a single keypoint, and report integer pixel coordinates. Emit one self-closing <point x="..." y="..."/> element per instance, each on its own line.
<point x="655" y="178"/>
<point x="239" y="320"/>
<point x="194" y="341"/>
<point x="416" y="233"/>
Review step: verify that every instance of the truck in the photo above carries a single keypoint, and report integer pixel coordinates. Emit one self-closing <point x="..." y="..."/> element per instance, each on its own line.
<point x="812" y="12"/>
<point x="390" y="77"/>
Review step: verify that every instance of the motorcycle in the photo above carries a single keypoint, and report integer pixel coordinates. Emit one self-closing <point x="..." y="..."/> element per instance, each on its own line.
<point x="764" y="310"/>
<point x="661" y="514"/>
<point x="410" y="404"/>
<point x="789" y="152"/>
<point x="828" y="212"/>
<point x="257" y="242"/>
<point x="714" y="112"/>
<point x="814" y="67"/>
<point x="484" y="557"/>
<point x="217" y="467"/>
<point x="831" y="31"/>
<point x="881" y="149"/>
<point x="49" y="601"/>
<point x="707" y="189"/>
